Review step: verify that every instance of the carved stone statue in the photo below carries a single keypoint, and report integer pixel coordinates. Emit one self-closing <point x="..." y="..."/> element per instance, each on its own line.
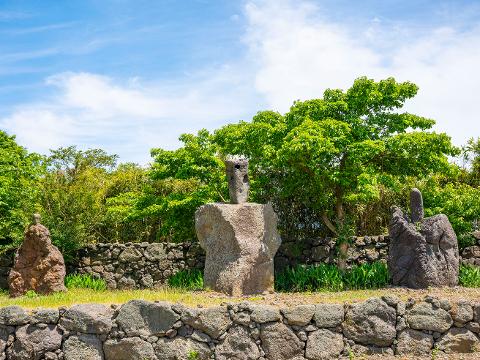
<point x="240" y="239"/>
<point x="39" y="265"/>
<point x="423" y="251"/>
<point x="237" y="176"/>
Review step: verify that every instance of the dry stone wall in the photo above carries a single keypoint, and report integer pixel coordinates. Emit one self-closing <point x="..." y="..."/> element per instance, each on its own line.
<point x="159" y="330"/>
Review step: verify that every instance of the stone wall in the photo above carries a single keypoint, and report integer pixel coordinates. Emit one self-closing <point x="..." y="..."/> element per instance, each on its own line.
<point x="162" y="331"/>
<point x="471" y="254"/>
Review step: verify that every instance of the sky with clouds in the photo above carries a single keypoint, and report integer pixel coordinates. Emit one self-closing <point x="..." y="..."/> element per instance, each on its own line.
<point x="131" y="75"/>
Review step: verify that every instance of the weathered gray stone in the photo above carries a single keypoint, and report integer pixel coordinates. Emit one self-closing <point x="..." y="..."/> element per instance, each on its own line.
<point x="180" y="349"/>
<point x="371" y="322"/>
<point x="128" y="349"/>
<point x="414" y="342"/>
<point x="279" y="342"/>
<point x="237" y="176"/>
<point x="13" y="315"/>
<point x="139" y="317"/>
<point x="155" y="252"/>
<point x="299" y="315"/>
<point x="237" y="345"/>
<point x="213" y="321"/>
<point x="324" y="344"/>
<point x="462" y="312"/>
<point x="459" y="340"/>
<point x="358" y="349"/>
<point x="88" y="318"/>
<point x="240" y="241"/>
<point x="32" y="342"/>
<point x="422" y="254"/>
<point x="328" y="315"/>
<point x="264" y="313"/>
<point x="83" y="347"/>
<point x="130" y="255"/>
<point x="423" y="316"/>
<point x="416" y="205"/>
<point x="46" y="316"/>
<point x="5" y="331"/>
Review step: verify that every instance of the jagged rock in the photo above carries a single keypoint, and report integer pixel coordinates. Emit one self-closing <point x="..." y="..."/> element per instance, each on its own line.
<point x="240" y="241"/>
<point x="424" y="253"/>
<point x="416" y="205"/>
<point x="265" y="313"/>
<point x="462" y="312"/>
<point x="13" y="315"/>
<point x="83" y="347"/>
<point x="414" y="342"/>
<point x="459" y="340"/>
<point x="5" y="331"/>
<point x="33" y="342"/>
<point x="45" y="316"/>
<point x="279" y="342"/>
<point x="424" y="316"/>
<point x="88" y="318"/>
<point x="128" y="349"/>
<point x="371" y="322"/>
<point x="39" y="265"/>
<point x="139" y="317"/>
<point x="237" y="345"/>
<point x="324" y="344"/>
<point x="180" y="349"/>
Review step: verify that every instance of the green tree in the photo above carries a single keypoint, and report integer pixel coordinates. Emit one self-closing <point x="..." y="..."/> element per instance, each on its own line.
<point x="333" y="153"/>
<point x="19" y="172"/>
<point x="180" y="181"/>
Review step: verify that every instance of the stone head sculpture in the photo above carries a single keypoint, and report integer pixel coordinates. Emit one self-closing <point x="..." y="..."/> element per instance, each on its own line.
<point x="238" y="182"/>
<point x="36" y="218"/>
<point x="416" y="205"/>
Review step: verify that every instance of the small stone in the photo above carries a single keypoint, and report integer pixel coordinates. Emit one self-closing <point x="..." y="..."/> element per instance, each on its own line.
<point x="13" y="315"/>
<point x="46" y="316"/>
<point x="238" y="345"/>
<point x="414" y="342"/>
<point x="279" y="342"/>
<point x="180" y="348"/>
<point x="265" y="313"/>
<point x="423" y="316"/>
<point x="328" y="315"/>
<point x="299" y="315"/>
<point x="458" y="340"/>
<point x="128" y="349"/>
<point x="462" y="312"/>
<point x="324" y="344"/>
<point x="88" y="318"/>
<point x="83" y="347"/>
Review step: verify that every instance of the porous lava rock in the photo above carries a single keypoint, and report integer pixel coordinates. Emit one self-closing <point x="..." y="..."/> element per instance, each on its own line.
<point x="39" y="265"/>
<point x="240" y="242"/>
<point x="422" y="253"/>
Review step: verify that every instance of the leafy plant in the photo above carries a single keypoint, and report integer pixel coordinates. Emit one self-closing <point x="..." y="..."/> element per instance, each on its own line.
<point x="191" y="279"/>
<point x="193" y="355"/>
<point x="84" y="281"/>
<point x="469" y="276"/>
<point x="31" y="294"/>
<point x="328" y="277"/>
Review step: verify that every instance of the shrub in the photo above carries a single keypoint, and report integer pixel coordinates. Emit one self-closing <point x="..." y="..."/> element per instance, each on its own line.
<point x="327" y="277"/>
<point x="469" y="276"/>
<point x="84" y="281"/>
<point x="187" y="279"/>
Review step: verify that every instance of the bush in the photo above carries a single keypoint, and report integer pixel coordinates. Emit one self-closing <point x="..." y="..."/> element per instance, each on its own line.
<point x="84" y="281"/>
<point x="187" y="279"/>
<point x="469" y="276"/>
<point x="326" y="277"/>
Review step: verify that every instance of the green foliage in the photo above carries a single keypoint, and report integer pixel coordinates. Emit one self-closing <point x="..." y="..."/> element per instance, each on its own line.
<point x="19" y="173"/>
<point x="181" y="181"/>
<point x="84" y="281"/>
<point x="333" y="154"/>
<point x="187" y="279"/>
<point x="469" y="276"/>
<point x="31" y="294"/>
<point x="327" y="277"/>
<point x="193" y="355"/>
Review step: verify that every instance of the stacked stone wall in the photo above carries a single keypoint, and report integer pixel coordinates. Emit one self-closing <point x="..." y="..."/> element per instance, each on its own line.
<point x="163" y="331"/>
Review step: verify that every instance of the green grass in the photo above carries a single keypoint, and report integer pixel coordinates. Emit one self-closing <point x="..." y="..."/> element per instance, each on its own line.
<point x="469" y="276"/>
<point x="187" y="279"/>
<point x="326" y="277"/>
<point x="84" y="281"/>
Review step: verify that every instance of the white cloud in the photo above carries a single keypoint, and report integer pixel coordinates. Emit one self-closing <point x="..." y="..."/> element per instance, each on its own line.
<point x="292" y="51"/>
<point x="300" y="53"/>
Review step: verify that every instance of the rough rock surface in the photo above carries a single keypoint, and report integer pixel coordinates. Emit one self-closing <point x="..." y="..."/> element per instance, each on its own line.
<point x="371" y="322"/>
<point x="324" y="344"/>
<point x="32" y="342"/>
<point x="328" y="315"/>
<point x="179" y="349"/>
<point x="88" y="319"/>
<point x="237" y="176"/>
<point x="459" y="340"/>
<point x="426" y="316"/>
<point x="213" y="321"/>
<point x="280" y="342"/>
<point x="240" y="241"/>
<point x="237" y="345"/>
<point x="83" y="347"/>
<point x="129" y="349"/>
<point x="422" y="254"/>
<point x="38" y="265"/>
<point x="414" y="342"/>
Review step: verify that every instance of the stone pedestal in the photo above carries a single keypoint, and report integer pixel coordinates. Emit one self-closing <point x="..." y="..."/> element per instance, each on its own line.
<point x="240" y="241"/>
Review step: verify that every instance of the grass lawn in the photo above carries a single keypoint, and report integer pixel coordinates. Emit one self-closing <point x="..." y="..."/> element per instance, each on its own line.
<point x="207" y="298"/>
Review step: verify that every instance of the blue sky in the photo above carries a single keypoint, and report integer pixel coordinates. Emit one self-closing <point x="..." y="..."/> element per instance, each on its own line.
<point x="127" y="76"/>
